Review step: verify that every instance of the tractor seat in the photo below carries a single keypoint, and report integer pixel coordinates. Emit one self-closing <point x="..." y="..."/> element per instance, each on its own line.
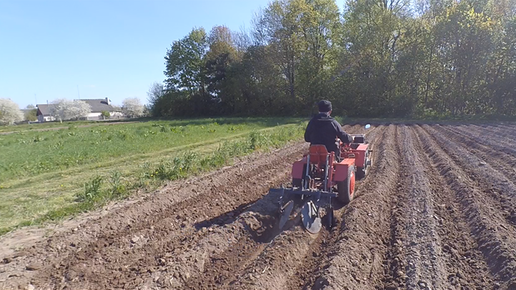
<point x="318" y="154"/>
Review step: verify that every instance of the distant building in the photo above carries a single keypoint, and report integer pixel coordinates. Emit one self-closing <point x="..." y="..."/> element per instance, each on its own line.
<point x="43" y="113"/>
<point x="100" y="105"/>
<point x="97" y="107"/>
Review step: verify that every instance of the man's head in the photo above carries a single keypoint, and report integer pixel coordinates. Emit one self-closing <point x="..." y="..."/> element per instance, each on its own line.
<point x="324" y="106"/>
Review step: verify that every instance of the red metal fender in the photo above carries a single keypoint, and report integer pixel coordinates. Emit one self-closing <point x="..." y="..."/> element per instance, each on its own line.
<point x="342" y="168"/>
<point x="297" y="168"/>
<point x="360" y="153"/>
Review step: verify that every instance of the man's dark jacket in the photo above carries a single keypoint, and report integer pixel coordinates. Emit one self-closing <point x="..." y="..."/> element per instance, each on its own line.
<point x="322" y="129"/>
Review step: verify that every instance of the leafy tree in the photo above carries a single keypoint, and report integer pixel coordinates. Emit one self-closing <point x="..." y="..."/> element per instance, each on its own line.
<point x="31" y="115"/>
<point x="184" y="63"/>
<point x="155" y="92"/>
<point x="278" y="28"/>
<point x="219" y="57"/>
<point x="10" y="112"/>
<point x="132" y="107"/>
<point x="381" y="58"/>
<point x="63" y="109"/>
<point x="105" y="114"/>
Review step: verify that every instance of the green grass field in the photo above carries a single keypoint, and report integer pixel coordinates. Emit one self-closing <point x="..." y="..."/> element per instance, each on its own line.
<point x="49" y="171"/>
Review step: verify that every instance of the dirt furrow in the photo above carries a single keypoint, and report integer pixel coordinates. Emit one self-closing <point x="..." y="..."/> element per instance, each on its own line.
<point x="494" y="168"/>
<point x="421" y="242"/>
<point x="485" y="137"/>
<point x="454" y="248"/>
<point x="126" y="247"/>
<point x="509" y="130"/>
<point x="487" y="225"/>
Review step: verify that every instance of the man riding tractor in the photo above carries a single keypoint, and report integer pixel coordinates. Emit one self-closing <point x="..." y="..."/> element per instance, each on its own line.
<point x="323" y="129"/>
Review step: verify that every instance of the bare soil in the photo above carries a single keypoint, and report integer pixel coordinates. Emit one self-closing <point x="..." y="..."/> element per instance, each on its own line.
<point x="436" y="211"/>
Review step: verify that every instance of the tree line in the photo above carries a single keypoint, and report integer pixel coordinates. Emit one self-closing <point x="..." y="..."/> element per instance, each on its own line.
<point x="375" y="58"/>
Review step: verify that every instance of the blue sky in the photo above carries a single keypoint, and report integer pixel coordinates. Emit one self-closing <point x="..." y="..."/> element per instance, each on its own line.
<point x="53" y="49"/>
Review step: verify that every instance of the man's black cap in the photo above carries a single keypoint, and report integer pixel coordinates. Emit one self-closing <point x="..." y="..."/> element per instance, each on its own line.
<point x="324" y="106"/>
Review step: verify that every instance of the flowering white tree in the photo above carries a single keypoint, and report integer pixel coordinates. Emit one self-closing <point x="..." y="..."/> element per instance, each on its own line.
<point x="132" y="107"/>
<point x="67" y="110"/>
<point x="10" y="112"/>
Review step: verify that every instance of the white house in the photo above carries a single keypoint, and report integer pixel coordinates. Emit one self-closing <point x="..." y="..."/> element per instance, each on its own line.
<point x="43" y="113"/>
<point x="97" y="107"/>
<point x="100" y="105"/>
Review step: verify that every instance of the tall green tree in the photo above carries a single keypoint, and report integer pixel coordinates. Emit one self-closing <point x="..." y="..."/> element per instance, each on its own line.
<point x="372" y="30"/>
<point x="184" y="63"/>
<point x="379" y="58"/>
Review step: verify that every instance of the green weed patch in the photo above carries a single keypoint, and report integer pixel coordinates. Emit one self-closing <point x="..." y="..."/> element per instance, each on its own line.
<point x="160" y="151"/>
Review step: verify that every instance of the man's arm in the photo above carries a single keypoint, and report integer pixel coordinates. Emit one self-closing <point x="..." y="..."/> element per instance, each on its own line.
<point x="344" y="137"/>
<point x="308" y="131"/>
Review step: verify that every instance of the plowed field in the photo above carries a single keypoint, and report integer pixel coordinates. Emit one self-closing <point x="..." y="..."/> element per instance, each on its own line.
<point x="436" y="211"/>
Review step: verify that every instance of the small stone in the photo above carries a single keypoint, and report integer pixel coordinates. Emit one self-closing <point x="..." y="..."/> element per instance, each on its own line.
<point x="32" y="267"/>
<point x="30" y="287"/>
<point x="135" y="239"/>
<point x="186" y="275"/>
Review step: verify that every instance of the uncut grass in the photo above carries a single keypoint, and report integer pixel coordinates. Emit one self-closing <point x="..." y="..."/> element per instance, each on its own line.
<point x="205" y="145"/>
<point x="55" y="196"/>
<point x="28" y="153"/>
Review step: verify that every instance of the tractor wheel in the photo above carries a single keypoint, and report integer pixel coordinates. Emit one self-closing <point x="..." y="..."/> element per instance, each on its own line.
<point x="363" y="171"/>
<point x="346" y="188"/>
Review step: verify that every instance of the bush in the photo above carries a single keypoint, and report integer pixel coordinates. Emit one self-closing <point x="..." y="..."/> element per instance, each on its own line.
<point x="91" y="190"/>
<point x="118" y="188"/>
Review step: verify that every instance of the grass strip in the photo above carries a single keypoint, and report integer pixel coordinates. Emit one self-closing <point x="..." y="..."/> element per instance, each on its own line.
<point x="108" y="185"/>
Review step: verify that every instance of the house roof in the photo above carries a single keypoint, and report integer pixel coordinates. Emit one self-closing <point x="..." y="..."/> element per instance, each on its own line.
<point x="44" y="109"/>
<point x="97" y="106"/>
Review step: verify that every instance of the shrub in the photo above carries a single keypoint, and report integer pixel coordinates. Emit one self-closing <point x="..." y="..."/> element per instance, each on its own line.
<point x="118" y="188"/>
<point x="91" y="190"/>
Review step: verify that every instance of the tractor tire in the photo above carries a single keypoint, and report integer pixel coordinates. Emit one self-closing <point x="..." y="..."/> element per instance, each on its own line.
<point x="346" y="188"/>
<point x="363" y="171"/>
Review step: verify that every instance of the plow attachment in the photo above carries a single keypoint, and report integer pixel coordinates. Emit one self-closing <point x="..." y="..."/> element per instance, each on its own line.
<point x="306" y="202"/>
